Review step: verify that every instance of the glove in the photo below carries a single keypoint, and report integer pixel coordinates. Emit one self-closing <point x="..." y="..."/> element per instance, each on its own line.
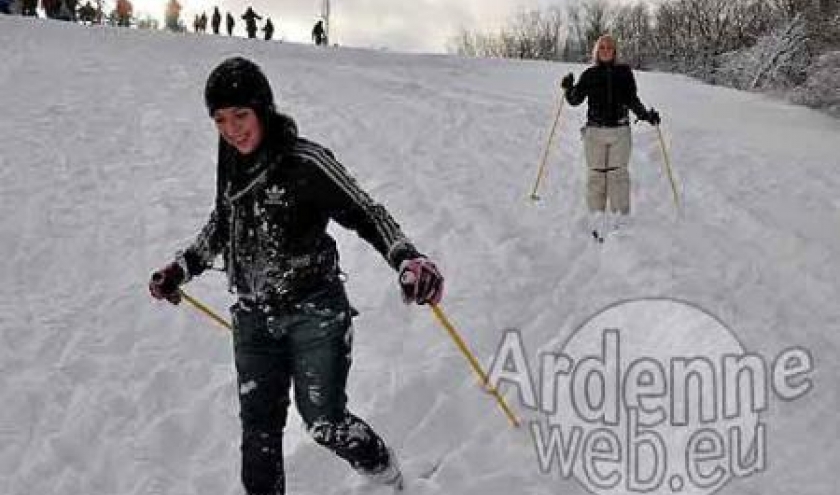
<point x="567" y="82"/>
<point x="165" y="282"/>
<point x="421" y="282"/>
<point x="652" y="116"/>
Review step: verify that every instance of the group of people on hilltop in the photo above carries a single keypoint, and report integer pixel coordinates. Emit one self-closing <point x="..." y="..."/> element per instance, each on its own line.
<point x="70" y="10"/>
<point x="250" y="17"/>
<point x="319" y="35"/>
<point x="216" y="22"/>
<point x="200" y="23"/>
<point x="64" y="10"/>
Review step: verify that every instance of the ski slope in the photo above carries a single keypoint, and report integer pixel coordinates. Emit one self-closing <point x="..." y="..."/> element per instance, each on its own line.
<point x="107" y="168"/>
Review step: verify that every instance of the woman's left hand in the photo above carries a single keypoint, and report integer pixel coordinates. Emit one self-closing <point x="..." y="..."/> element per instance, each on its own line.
<point x="653" y="117"/>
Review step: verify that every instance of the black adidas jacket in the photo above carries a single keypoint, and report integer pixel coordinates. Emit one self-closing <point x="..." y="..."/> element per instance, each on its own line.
<point x="271" y="214"/>
<point x="611" y="91"/>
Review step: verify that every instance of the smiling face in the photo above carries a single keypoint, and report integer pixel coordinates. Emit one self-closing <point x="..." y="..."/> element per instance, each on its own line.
<point x="604" y="50"/>
<point x="239" y="127"/>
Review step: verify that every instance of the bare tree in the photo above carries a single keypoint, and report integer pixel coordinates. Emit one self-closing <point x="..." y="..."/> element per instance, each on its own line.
<point x="776" y="60"/>
<point x="596" y="20"/>
<point x="822" y="88"/>
<point x="575" y="48"/>
<point x="531" y="34"/>
<point x="633" y="29"/>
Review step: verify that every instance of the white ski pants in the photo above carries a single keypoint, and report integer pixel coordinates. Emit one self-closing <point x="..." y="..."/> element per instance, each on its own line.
<point x="607" y="152"/>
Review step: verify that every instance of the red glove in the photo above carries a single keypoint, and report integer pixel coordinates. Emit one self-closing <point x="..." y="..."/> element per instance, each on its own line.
<point x="165" y="282"/>
<point x="421" y="282"/>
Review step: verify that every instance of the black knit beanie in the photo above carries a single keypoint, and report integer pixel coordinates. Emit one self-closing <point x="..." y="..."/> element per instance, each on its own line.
<point x="238" y="82"/>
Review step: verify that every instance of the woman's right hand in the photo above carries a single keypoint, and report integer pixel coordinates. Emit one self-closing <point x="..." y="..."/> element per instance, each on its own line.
<point x="165" y="282"/>
<point x="567" y="82"/>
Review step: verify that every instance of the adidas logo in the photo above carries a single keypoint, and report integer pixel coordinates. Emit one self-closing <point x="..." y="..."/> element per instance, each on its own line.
<point x="275" y="196"/>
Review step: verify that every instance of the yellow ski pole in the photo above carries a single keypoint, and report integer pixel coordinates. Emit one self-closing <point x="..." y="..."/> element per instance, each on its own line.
<point x="541" y="168"/>
<point x="668" y="169"/>
<point x="444" y="321"/>
<point x="206" y="310"/>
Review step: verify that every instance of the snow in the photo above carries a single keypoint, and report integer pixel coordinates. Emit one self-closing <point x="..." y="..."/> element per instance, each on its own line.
<point x="107" y="168"/>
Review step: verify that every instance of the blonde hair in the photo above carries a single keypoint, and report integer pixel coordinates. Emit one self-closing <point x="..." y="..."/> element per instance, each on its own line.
<point x="604" y="38"/>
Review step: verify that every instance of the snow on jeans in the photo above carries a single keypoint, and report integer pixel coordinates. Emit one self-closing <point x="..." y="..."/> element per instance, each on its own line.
<point x="308" y="346"/>
<point x="608" y="156"/>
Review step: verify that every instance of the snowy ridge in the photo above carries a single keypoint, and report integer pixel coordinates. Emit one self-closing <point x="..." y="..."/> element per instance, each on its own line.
<point x="107" y="168"/>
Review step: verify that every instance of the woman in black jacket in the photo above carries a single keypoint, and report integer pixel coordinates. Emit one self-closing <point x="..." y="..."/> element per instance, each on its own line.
<point x="276" y="193"/>
<point x="610" y="89"/>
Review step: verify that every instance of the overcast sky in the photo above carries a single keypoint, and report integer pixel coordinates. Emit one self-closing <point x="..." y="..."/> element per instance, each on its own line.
<point x="406" y="25"/>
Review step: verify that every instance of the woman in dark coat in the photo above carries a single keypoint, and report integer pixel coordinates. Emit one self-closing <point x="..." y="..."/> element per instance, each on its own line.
<point x="276" y="193"/>
<point x="610" y="89"/>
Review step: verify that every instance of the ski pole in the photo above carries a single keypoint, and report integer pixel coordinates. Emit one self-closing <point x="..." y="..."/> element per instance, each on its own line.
<point x="206" y="310"/>
<point x="444" y="321"/>
<point x="541" y="168"/>
<point x="668" y="169"/>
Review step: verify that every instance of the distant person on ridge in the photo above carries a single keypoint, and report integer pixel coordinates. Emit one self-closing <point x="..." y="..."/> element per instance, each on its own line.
<point x="173" y="13"/>
<point x="319" y="35"/>
<point x="64" y="13"/>
<point x="230" y="21"/>
<point x="124" y="12"/>
<point x="98" y="17"/>
<point x="610" y="89"/>
<point x="87" y="14"/>
<point x="216" y="20"/>
<point x="250" y="17"/>
<point x="276" y="194"/>
<point x="50" y="8"/>
<point x="269" y="29"/>
<point x="71" y="8"/>
<point x="200" y="23"/>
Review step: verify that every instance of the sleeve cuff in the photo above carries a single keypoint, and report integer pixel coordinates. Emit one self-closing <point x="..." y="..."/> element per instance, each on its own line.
<point x="181" y="261"/>
<point x="400" y="251"/>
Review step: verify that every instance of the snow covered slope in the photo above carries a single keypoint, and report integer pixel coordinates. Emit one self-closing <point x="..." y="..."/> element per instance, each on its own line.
<point x="106" y="168"/>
